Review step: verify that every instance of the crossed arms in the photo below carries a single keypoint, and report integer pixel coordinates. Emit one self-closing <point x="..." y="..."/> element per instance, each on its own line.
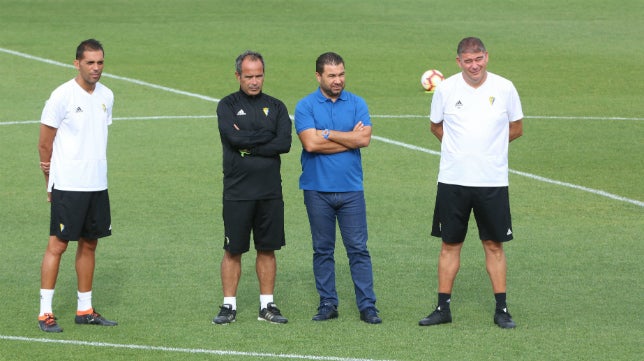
<point x="336" y="141"/>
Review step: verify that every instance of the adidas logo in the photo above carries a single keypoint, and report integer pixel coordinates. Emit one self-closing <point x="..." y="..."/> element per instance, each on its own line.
<point x="458" y="104"/>
<point x="241" y="112"/>
<point x="509" y="232"/>
<point x="79" y="110"/>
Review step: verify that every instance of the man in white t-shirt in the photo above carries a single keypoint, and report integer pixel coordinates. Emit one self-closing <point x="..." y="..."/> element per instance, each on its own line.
<point x="73" y="148"/>
<point x="475" y="114"/>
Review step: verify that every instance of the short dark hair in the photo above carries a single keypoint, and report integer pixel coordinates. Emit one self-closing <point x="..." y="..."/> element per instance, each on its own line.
<point x="88" y="45"/>
<point x="470" y="45"/>
<point x="253" y="55"/>
<point x="329" y="58"/>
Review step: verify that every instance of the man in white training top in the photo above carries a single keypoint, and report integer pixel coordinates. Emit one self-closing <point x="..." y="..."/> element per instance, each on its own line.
<point x="73" y="158"/>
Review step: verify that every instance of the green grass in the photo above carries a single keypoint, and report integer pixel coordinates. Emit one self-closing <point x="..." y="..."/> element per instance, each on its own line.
<point x="574" y="266"/>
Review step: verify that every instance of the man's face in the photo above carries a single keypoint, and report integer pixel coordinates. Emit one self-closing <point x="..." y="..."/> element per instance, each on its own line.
<point x="474" y="67"/>
<point x="331" y="80"/>
<point x="90" y="67"/>
<point x="251" y="78"/>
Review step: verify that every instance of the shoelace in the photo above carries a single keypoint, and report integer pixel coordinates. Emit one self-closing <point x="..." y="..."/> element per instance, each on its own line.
<point x="92" y="316"/>
<point x="326" y="309"/>
<point x="50" y="320"/>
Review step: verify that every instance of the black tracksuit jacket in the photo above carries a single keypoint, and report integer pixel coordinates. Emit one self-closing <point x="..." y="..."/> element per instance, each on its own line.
<point x="265" y="132"/>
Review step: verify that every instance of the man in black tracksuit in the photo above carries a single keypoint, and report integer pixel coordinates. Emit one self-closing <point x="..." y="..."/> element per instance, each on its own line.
<point x="255" y="129"/>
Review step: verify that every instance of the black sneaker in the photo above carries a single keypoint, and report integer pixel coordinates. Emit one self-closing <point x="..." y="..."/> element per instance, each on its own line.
<point x="48" y="323"/>
<point x="93" y="318"/>
<point x="370" y="315"/>
<point x="326" y="311"/>
<point x="226" y="315"/>
<point x="437" y="317"/>
<point x="271" y="314"/>
<point x="503" y="319"/>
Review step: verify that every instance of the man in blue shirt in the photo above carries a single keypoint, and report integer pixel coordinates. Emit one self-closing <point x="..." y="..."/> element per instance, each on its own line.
<point x="333" y="124"/>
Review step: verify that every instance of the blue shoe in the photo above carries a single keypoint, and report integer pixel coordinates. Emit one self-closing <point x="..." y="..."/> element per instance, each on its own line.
<point x="326" y="311"/>
<point x="370" y="315"/>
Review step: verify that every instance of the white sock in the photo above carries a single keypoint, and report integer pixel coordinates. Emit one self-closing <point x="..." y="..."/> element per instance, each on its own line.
<point x="264" y="300"/>
<point x="231" y="301"/>
<point x="84" y="301"/>
<point x="46" y="297"/>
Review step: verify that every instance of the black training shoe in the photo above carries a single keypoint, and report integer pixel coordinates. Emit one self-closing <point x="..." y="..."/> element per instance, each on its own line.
<point x="93" y="318"/>
<point x="503" y="319"/>
<point x="326" y="311"/>
<point x="370" y="315"/>
<point x="48" y="323"/>
<point x="271" y="314"/>
<point x="226" y="315"/>
<point x="437" y="317"/>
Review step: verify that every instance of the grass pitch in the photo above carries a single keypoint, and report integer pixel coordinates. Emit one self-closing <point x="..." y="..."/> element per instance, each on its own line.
<point x="574" y="266"/>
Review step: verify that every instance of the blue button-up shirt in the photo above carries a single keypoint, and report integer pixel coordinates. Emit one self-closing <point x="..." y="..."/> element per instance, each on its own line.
<point x="339" y="172"/>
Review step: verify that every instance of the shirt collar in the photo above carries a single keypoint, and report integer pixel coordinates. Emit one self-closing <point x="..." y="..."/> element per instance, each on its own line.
<point x="321" y="98"/>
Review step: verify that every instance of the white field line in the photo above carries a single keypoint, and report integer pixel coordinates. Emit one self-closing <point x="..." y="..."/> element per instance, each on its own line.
<point x="386" y="140"/>
<point x="185" y="350"/>
<point x="156" y="117"/>
<point x="555" y="117"/>
<point x="381" y="116"/>
<point x="524" y="174"/>
<point x="108" y="75"/>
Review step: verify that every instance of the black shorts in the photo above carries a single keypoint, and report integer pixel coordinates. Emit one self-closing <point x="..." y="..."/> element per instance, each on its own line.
<point x="80" y="214"/>
<point x="265" y="218"/>
<point x="454" y="203"/>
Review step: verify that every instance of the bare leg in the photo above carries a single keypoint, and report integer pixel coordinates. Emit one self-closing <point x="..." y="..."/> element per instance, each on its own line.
<point x="266" y="268"/>
<point x="230" y="273"/>
<point x="449" y="263"/>
<point x="51" y="262"/>
<point x="85" y="263"/>
<point x="496" y="265"/>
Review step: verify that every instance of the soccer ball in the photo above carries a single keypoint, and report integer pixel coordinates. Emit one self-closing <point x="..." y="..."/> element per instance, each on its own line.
<point x="430" y="79"/>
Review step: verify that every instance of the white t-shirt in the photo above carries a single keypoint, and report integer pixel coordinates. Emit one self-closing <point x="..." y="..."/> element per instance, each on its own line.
<point x="474" y="149"/>
<point x="79" y="157"/>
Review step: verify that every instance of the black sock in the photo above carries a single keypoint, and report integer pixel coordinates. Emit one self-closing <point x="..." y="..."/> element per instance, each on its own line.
<point x="443" y="300"/>
<point x="501" y="304"/>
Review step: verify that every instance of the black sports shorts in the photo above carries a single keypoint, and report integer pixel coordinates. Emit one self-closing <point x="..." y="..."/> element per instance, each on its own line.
<point x="265" y="218"/>
<point x="80" y="214"/>
<point x="454" y="203"/>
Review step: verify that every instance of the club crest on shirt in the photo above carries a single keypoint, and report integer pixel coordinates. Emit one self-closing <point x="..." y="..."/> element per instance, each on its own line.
<point x="492" y="100"/>
<point x="265" y="111"/>
<point x="104" y="108"/>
